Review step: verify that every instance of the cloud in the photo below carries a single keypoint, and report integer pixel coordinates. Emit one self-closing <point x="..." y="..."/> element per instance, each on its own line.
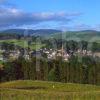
<point x="2" y="1"/>
<point x="86" y="27"/>
<point x="17" y="17"/>
<point x="82" y="27"/>
<point x="78" y="27"/>
<point x="97" y="27"/>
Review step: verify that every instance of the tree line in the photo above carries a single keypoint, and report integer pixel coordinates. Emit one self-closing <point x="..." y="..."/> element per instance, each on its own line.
<point x="86" y="71"/>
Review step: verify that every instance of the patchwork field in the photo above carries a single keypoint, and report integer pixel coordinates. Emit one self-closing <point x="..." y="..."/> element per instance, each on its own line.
<point x="23" y="43"/>
<point x="44" y="90"/>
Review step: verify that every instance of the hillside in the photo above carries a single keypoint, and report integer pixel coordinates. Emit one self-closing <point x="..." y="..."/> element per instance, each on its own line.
<point x="43" y="90"/>
<point x="39" y="32"/>
<point x="87" y="35"/>
<point x="22" y="43"/>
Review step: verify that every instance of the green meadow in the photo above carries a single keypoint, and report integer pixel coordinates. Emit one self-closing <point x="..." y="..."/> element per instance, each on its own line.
<point x="23" y="43"/>
<point x="44" y="90"/>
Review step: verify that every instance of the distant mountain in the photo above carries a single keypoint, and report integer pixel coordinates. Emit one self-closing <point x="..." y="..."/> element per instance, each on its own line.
<point x="39" y="32"/>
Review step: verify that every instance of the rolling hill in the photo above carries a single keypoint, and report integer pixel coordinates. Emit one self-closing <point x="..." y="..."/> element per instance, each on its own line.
<point x="38" y="32"/>
<point x="87" y="35"/>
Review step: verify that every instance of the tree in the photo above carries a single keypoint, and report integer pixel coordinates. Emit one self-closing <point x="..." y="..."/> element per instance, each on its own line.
<point x="57" y="71"/>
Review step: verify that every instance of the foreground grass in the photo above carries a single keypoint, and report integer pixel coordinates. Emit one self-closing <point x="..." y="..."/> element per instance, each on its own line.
<point x="39" y="90"/>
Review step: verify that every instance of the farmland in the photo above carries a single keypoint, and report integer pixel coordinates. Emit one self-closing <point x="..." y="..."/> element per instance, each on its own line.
<point x="23" y="43"/>
<point x="44" y="90"/>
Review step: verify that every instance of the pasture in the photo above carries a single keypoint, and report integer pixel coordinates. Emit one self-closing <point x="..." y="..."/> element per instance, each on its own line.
<point x="44" y="90"/>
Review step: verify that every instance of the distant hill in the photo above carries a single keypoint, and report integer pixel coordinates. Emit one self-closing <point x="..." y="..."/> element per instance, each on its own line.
<point x="39" y="32"/>
<point x="88" y="35"/>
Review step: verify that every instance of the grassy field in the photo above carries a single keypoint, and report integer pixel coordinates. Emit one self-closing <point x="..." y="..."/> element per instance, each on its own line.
<point x="39" y="90"/>
<point x="23" y="43"/>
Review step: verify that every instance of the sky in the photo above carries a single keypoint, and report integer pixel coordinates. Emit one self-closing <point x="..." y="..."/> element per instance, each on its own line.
<point x="50" y="14"/>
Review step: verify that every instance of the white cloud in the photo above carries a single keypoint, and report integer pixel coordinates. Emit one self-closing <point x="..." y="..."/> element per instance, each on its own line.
<point x="17" y="17"/>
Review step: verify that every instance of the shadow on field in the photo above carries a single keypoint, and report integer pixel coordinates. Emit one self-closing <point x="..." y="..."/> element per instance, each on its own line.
<point x="29" y="88"/>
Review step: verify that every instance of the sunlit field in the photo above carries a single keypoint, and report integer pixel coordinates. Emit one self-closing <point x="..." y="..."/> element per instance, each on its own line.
<point x="43" y="90"/>
<point x="23" y="43"/>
